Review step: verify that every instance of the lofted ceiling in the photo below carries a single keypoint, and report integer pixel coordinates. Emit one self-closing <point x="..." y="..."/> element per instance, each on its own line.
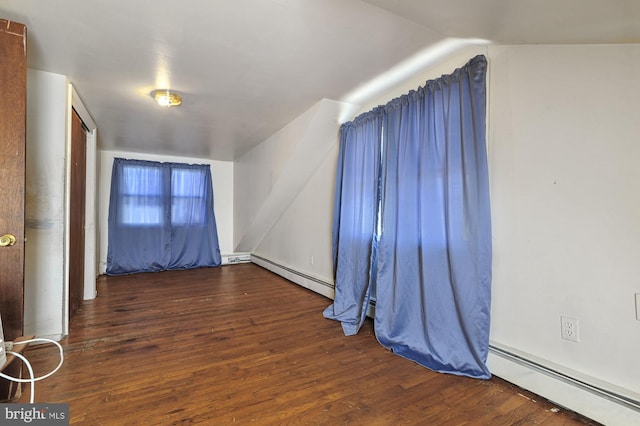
<point x="246" y="68"/>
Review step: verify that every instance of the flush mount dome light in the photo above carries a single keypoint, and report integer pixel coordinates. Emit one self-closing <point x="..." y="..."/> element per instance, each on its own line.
<point x="166" y="97"/>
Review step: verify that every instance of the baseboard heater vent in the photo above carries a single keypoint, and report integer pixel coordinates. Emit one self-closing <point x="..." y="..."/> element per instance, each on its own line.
<point x="231" y="259"/>
<point x="261" y="261"/>
<point x="558" y="375"/>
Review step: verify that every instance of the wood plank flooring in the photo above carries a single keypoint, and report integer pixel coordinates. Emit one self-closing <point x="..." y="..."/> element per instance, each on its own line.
<point x="240" y="345"/>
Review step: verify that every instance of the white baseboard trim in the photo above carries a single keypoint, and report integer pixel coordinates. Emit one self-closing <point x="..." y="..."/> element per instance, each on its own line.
<point x="307" y="281"/>
<point x="55" y="337"/>
<point x="600" y="402"/>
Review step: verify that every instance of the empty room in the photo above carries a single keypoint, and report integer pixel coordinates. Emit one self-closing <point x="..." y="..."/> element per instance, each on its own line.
<point x="372" y="212"/>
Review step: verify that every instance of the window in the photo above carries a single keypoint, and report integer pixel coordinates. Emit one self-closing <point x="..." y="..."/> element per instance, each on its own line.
<point x="141" y="196"/>
<point x="187" y="202"/>
<point x="142" y="190"/>
<point x="161" y="217"/>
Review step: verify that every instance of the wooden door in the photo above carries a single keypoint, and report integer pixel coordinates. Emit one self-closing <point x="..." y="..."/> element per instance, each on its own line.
<point x="77" y="213"/>
<point x="13" y="113"/>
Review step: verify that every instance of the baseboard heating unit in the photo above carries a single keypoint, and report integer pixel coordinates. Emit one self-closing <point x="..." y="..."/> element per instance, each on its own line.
<point x="233" y="258"/>
<point x="304" y="280"/>
<point x="602" y="402"/>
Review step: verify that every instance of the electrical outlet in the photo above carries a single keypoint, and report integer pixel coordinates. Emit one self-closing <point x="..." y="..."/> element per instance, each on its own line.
<point x="638" y="306"/>
<point x="569" y="329"/>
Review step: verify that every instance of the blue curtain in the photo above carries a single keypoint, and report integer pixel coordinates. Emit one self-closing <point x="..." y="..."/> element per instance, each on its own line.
<point x="433" y="261"/>
<point x="434" y="277"/>
<point x="355" y="219"/>
<point x="161" y="217"/>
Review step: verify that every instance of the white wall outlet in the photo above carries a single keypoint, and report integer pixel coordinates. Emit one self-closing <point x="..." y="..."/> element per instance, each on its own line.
<point x="569" y="329"/>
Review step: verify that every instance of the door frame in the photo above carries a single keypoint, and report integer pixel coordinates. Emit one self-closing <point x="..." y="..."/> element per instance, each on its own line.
<point x="90" y="254"/>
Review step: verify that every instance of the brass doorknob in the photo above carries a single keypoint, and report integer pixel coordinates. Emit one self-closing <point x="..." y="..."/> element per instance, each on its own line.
<point x="7" y="240"/>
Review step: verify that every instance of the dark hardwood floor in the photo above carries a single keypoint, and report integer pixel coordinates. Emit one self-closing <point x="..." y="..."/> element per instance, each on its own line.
<point x="240" y="345"/>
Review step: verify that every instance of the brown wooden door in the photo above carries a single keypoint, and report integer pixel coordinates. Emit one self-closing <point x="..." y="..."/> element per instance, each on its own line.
<point x="13" y="113"/>
<point x="77" y="213"/>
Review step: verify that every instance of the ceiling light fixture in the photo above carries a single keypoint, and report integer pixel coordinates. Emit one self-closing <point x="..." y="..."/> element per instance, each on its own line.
<point x="166" y="97"/>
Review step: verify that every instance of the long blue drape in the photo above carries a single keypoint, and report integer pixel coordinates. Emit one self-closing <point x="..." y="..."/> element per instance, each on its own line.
<point x="355" y="213"/>
<point x="434" y="277"/>
<point x="432" y="271"/>
<point x="160" y="217"/>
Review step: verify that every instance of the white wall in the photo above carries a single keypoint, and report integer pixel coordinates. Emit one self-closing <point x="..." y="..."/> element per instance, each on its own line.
<point x="284" y="194"/>
<point x="221" y="174"/>
<point x="45" y="287"/>
<point x="564" y="158"/>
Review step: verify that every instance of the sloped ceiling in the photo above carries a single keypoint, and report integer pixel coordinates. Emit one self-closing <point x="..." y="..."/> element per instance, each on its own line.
<point x="246" y="68"/>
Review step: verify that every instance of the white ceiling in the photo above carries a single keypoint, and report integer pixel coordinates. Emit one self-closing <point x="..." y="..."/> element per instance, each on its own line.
<point x="246" y="68"/>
